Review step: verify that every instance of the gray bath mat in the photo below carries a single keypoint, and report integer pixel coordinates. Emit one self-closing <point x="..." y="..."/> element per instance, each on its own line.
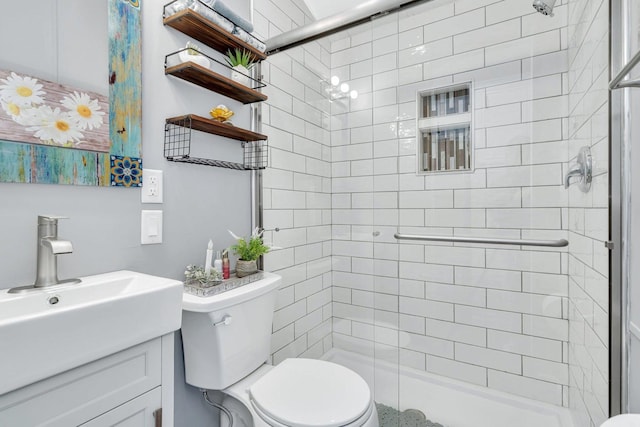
<point x="391" y="417"/>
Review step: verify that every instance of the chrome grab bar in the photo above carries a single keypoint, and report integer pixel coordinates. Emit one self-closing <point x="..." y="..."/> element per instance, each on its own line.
<point x="546" y="243"/>
<point x="617" y="82"/>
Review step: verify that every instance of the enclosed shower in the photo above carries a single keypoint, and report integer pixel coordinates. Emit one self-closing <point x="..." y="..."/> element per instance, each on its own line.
<point x="439" y="194"/>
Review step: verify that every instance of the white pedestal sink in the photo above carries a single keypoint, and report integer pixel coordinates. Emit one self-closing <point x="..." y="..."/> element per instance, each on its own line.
<point x="43" y="333"/>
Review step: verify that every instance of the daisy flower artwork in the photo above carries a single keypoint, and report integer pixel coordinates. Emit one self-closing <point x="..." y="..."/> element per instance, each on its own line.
<point x="37" y="111"/>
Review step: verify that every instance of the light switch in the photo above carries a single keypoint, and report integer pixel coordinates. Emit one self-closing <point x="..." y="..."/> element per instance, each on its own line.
<point x="151" y="227"/>
<point x="152" y="186"/>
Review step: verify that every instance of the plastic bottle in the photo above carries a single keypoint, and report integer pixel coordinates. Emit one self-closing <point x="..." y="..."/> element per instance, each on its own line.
<point x="226" y="267"/>
<point x="217" y="264"/>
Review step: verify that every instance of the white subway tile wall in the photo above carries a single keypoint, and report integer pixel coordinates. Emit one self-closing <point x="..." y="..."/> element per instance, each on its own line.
<point x="588" y="31"/>
<point x="489" y="315"/>
<point x="530" y="321"/>
<point x="297" y="185"/>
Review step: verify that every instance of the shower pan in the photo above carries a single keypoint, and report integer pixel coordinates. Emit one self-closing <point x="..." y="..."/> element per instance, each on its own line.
<point x="466" y="292"/>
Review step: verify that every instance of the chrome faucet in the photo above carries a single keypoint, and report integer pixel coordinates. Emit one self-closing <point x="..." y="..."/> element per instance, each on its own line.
<point x="49" y="246"/>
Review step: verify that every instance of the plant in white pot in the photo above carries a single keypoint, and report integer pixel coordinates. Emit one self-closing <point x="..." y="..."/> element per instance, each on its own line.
<point x="248" y="252"/>
<point x="241" y="62"/>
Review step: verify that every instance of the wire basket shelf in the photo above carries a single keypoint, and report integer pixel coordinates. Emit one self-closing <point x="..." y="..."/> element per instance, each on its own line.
<point x="177" y="143"/>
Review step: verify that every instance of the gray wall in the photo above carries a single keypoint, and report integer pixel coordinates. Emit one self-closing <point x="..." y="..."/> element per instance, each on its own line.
<point x="49" y="46"/>
<point x="199" y="202"/>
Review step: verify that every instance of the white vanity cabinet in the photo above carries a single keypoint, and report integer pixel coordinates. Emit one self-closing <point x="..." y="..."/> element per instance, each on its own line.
<point x="139" y="412"/>
<point x="132" y="388"/>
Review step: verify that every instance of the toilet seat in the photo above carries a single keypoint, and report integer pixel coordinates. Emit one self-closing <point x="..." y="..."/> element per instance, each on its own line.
<point x="307" y="393"/>
<point x="274" y="423"/>
<point x="624" y="420"/>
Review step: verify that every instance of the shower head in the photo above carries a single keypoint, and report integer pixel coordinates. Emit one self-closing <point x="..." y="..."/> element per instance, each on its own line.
<point x="545" y="7"/>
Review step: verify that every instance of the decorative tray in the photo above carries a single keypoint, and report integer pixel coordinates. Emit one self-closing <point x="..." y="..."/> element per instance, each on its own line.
<point x="226" y="285"/>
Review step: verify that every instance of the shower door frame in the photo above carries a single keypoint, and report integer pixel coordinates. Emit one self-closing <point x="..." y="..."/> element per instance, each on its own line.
<point x="619" y="209"/>
<point x="619" y="206"/>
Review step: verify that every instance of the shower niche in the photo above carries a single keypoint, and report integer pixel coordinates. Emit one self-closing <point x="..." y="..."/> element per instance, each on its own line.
<point x="445" y="126"/>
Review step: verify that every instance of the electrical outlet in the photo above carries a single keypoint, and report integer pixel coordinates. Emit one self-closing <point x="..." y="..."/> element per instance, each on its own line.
<point x="152" y="186"/>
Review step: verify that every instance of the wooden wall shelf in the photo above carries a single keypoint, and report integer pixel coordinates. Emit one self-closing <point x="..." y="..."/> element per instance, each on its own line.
<point x="194" y="25"/>
<point x="216" y="128"/>
<point x="215" y="82"/>
<point x="178" y="130"/>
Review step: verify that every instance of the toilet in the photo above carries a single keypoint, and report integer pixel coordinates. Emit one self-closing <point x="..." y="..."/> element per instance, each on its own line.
<point x="226" y="341"/>
<point x="624" y="420"/>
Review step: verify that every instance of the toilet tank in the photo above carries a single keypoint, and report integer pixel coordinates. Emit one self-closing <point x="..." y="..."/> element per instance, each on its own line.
<point x="227" y="336"/>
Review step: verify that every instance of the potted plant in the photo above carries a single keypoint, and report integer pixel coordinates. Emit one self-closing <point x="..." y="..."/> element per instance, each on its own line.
<point x="241" y="61"/>
<point x="248" y="252"/>
<point x="196" y="275"/>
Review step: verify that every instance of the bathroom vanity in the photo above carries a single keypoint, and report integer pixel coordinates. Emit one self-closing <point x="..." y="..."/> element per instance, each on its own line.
<point x="96" y="353"/>
<point x="133" y="387"/>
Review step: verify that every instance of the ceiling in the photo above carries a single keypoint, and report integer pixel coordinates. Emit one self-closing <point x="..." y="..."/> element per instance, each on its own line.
<point x="323" y="8"/>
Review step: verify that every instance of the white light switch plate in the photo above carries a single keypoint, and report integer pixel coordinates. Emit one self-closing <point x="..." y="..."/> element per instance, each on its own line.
<point x="151" y="227"/>
<point x="152" y="186"/>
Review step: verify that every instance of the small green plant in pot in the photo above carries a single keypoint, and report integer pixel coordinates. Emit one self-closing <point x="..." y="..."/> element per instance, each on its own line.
<point x="241" y="61"/>
<point x="248" y="252"/>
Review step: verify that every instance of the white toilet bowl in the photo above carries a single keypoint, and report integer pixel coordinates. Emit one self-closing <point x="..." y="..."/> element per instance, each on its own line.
<point x="624" y="420"/>
<point x="301" y="393"/>
<point x="226" y="339"/>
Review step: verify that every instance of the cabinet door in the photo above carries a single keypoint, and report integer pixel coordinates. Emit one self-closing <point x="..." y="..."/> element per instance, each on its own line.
<point x="138" y="412"/>
<point x="81" y="394"/>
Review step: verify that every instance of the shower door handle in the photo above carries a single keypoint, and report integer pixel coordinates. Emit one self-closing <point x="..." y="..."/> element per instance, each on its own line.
<point x="490" y="241"/>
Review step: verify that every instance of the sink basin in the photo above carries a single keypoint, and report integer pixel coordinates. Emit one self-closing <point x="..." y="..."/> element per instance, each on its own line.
<point x="46" y="332"/>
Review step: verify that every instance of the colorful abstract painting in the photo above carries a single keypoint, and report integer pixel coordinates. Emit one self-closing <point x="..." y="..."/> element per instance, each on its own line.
<point x="50" y="134"/>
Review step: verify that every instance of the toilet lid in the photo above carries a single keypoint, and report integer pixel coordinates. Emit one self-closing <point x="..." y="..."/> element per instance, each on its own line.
<point x="311" y="393"/>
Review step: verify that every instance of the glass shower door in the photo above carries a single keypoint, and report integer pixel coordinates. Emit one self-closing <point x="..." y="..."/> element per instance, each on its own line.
<point x="386" y="134"/>
<point x="452" y="324"/>
<point x="365" y="210"/>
